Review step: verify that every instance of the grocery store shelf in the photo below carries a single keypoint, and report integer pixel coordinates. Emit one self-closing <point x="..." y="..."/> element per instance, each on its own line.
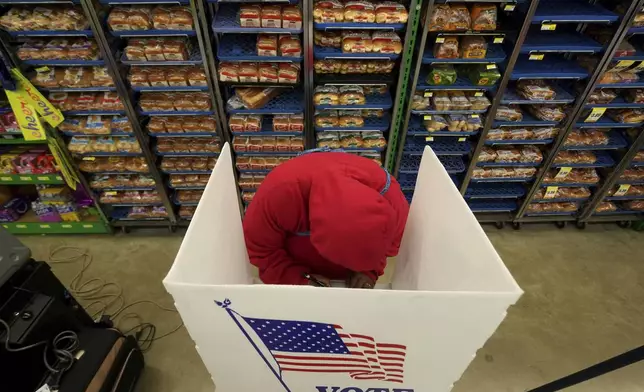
<point x="572" y="11"/>
<point x="65" y="63"/>
<point x="551" y="67"/>
<point x="290" y="102"/>
<point x="244" y="48"/>
<point x="452" y="164"/>
<point x="495" y="54"/>
<point x="373" y="101"/>
<point x="495" y="191"/>
<point x="358" y="26"/>
<point x="493" y="206"/>
<point x="370" y="124"/>
<point x="511" y="97"/>
<point x="607" y="122"/>
<point x="153" y="33"/>
<point x="527" y="121"/>
<point x="26" y="179"/>
<point x="328" y="53"/>
<point x="603" y="160"/>
<point x="553" y="42"/>
<point x="615" y="141"/>
<point x="29" y="224"/>
<point x="440" y="146"/>
<point x="227" y="21"/>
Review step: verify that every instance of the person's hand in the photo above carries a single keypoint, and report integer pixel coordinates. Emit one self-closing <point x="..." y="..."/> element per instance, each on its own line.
<point x="320" y="278"/>
<point x="358" y="280"/>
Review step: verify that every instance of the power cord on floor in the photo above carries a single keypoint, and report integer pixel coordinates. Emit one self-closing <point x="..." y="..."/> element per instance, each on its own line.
<point x="107" y="297"/>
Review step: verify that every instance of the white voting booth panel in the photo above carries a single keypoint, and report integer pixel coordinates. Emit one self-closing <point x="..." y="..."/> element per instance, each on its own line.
<point x="449" y="293"/>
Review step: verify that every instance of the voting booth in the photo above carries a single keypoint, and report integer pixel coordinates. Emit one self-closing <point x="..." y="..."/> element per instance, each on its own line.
<point x="417" y="331"/>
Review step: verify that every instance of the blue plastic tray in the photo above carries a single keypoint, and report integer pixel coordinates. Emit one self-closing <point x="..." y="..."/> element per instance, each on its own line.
<point x="65" y="63"/>
<point x="76" y="89"/>
<point x="526" y="141"/>
<point x="195" y="59"/>
<point x="551" y="67"/>
<point x="615" y="142"/>
<point x="176" y="113"/>
<point x="493" y="206"/>
<point x="170" y="88"/>
<point x="638" y="84"/>
<point x="185" y="134"/>
<point x="501" y="179"/>
<point x="607" y="122"/>
<point x="94" y="113"/>
<point x="562" y="96"/>
<point x="244" y="48"/>
<point x="290" y="102"/>
<point x="359" y="26"/>
<point x="568" y="42"/>
<point x="461" y="83"/>
<point x="495" y="54"/>
<point x="370" y="124"/>
<point x="416" y="128"/>
<point x="226" y="21"/>
<point x="452" y="164"/>
<point x="572" y="12"/>
<point x="618" y="102"/>
<point x="495" y="191"/>
<point x="52" y="33"/>
<point x="528" y="121"/>
<point x="440" y="146"/>
<point x="153" y="33"/>
<point x="326" y="53"/>
<point x="374" y="101"/>
<point x="508" y="164"/>
<point x="603" y="160"/>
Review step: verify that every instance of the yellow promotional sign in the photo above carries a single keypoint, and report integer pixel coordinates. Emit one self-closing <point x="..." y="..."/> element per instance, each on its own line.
<point x="26" y="115"/>
<point x="46" y="110"/>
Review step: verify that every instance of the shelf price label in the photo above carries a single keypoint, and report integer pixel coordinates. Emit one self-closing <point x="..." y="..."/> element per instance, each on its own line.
<point x="440" y="40"/>
<point x="427" y="117"/>
<point x="498" y="40"/>
<point x="595" y="115"/>
<point x="429" y="139"/>
<point x="563" y="172"/>
<point x="537" y="56"/>
<point x="551" y="192"/>
<point x="622" y="190"/>
<point x="622" y="65"/>
<point x="428" y="94"/>
<point x="548" y="26"/>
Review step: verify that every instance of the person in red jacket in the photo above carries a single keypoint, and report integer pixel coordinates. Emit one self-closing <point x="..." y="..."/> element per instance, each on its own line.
<point x="331" y="215"/>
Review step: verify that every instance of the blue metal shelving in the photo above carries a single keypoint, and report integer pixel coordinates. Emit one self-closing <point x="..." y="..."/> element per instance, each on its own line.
<point x="441" y="146"/>
<point x="290" y="102"/>
<point x="373" y="101"/>
<point x="495" y="191"/>
<point x="244" y="48"/>
<point x="227" y="21"/>
<point x="551" y="67"/>
<point x="495" y="54"/>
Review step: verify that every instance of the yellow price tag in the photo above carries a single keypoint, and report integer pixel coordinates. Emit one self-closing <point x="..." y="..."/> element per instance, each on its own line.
<point x="45" y="227"/>
<point x="440" y="40"/>
<point x="478" y="94"/>
<point x="462" y="139"/>
<point x="551" y="192"/>
<point x="66" y="226"/>
<point x="491" y="66"/>
<point x="429" y="139"/>
<point x="548" y="27"/>
<point x="5" y="178"/>
<point x="622" y="65"/>
<point x="428" y="94"/>
<point x="622" y="190"/>
<point x="563" y="172"/>
<point x="427" y="117"/>
<point x="498" y="40"/>
<point x="595" y="114"/>
<point x="537" y="57"/>
<point x="509" y="7"/>
<point x="89" y="158"/>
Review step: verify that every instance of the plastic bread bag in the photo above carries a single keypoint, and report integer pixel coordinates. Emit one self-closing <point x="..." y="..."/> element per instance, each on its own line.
<point x="391" y="12"/>
<point x="508" y="113"/>
<point x="435" y="123"/>
<point x="442" y="75"/>
<point x="328" y="11"/>
<point x="373" y="140"/>
<point x="356" y="43"/>
<point x="448" y="49"/>
<point x="459" y="101"/>
<point x="441" y="101"/>
<point x="352" y="95"/>
<point x="328" y="139"/>
<point x="484" y="17"/>
<point x="326" y="95"/>
<point x="531" y="154"/>
<point x="473" y="47"/>
<point x="359" y="12"/>
<point x="536" y="90"/>
<point x="487" y="154"/>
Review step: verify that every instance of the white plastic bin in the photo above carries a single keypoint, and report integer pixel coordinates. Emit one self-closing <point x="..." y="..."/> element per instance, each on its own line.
<point x="449" y="292"/>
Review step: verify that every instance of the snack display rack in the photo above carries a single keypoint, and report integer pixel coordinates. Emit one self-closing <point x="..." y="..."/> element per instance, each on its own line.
<point x="549" y="41"/>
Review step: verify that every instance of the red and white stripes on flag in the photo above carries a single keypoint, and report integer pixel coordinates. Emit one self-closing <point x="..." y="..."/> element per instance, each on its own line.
<point x="366" y="360"/>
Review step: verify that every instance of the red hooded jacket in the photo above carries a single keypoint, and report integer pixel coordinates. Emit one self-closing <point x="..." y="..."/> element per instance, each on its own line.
<point x="323" y="213"/>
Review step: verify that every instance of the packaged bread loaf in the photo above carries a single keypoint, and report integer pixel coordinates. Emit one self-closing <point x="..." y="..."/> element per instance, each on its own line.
<point x="250" y="15"/>
<point x="386" y="42"/>
<point x="391" y="12"/>
<point x="328" y="11"/>
<point x="359" y="12"/>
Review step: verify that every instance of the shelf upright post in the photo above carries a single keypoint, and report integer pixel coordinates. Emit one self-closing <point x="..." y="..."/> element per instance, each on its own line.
<point x="205" y="46"/>
<point x="96" y="24"/>
<point x="308" y="74"/>
<point x="395" y="142"/>
<point x="578" y="108"/>
<point x="398" y="114"/>
<point x="496" y="102"/>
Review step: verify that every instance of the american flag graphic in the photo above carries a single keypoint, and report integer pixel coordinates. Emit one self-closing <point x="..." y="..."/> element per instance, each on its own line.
<point x="303" y="346"/>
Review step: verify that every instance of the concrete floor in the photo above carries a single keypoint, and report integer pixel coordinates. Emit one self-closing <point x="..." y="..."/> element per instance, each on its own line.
<point x="583" y="302"/>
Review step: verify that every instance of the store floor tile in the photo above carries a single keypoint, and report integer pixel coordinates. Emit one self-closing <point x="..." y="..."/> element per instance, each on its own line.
<point x="582" y="304"/>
